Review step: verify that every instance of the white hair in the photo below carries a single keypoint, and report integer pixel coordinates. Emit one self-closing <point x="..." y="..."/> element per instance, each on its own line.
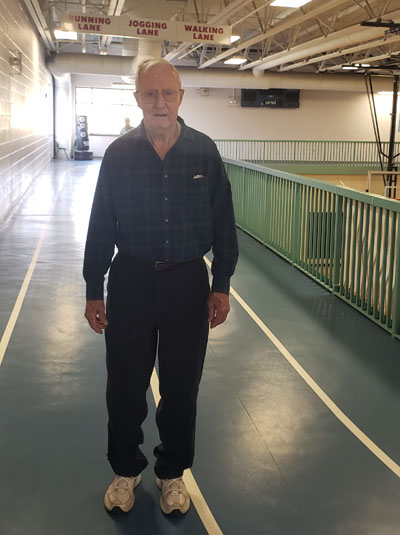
<point x="147" y="64"/>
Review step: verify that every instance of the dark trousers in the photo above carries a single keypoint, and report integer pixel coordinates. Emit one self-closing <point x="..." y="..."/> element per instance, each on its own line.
<point x="154" y="312"/>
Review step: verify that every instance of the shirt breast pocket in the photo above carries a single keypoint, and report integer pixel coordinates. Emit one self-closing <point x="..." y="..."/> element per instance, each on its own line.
<point x="197" y="192"/>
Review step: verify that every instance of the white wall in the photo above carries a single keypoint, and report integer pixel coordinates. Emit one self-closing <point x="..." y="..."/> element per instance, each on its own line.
<point x="25" y="107"/>
<point x="325" y="115"/>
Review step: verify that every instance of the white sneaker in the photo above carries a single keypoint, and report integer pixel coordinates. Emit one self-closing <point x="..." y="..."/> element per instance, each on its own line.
<point x="174" y="496"/>
<point x="119" y="495"/>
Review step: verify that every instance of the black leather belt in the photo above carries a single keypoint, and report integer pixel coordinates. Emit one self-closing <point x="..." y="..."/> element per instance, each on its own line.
<point x="157" y="265"/>
<point x="161" y="265"/>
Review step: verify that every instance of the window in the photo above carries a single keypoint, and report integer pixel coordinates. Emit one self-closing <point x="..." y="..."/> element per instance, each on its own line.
<point x="106" y="109"/>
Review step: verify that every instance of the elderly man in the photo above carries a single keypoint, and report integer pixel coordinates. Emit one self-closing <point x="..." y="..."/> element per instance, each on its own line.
<point x="163" y="198"/>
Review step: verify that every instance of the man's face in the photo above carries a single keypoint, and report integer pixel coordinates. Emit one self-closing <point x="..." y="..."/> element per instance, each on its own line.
<point x="159" y="115"/>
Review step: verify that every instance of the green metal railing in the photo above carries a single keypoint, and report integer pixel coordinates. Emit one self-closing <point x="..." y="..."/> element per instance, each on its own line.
<point x="346" y="240"/>
<point x="353" y="153"/>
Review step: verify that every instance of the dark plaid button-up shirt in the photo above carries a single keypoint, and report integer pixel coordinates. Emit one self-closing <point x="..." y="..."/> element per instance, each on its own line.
<point x="174" y="209"/>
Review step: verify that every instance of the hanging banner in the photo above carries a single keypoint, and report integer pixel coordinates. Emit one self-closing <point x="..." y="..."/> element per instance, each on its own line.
<point x="164" y="30"/>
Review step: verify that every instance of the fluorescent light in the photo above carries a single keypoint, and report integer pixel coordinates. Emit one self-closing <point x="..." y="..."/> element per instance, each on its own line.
<point x="365" y="65"/>
<point x="385" y="93"/>
<point x="70" y="36"/>
<point x="234" y="38"/>
<point x="290" y="3"/>
<point x="235" y="60"/>
<point x="349" y="68"/>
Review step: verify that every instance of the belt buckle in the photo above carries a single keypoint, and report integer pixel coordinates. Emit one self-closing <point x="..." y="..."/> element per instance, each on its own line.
<point x="159" y="265"/>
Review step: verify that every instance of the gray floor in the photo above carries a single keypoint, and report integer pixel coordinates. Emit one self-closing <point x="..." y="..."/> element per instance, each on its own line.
<point x="271" y="458"/>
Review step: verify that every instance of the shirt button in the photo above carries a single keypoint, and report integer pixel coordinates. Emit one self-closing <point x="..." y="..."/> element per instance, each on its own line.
<point x="166" y="220"/>
<point x="166" y="198"/>
<point x="167" y="242"/>
<point x="165" y="176"/>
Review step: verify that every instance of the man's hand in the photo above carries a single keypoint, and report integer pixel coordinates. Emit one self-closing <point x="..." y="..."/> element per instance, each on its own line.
<point x="95" y="313"/>
<point x="218" y="308"/>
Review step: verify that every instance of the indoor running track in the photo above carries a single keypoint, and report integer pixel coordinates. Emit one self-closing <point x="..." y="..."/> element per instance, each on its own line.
<point x="296" y="435"/>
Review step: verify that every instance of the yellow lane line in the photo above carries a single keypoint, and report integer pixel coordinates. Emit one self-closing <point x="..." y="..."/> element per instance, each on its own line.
<point x="196" y="496"/>
<point x="340" y="415"/>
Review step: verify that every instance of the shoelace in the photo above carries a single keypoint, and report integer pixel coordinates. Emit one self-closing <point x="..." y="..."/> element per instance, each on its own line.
<point x="173" y="491"/>
<point x="122" y="485"/>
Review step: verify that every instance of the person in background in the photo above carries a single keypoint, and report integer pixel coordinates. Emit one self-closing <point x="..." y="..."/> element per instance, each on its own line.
<point x="127" y="127"/>
<point x="164" y="199"/>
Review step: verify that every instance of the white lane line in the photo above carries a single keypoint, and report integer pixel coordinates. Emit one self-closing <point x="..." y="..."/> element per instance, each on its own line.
<point x="20" y="299"/>
<point x="196" y="496"/>
<point x="340" y="415"/>
<point x="5" y="339"/>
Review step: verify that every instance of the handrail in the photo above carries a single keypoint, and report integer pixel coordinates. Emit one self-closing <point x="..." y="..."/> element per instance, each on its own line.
<point x="347" y="240"/>
<point x="350" y="153"/>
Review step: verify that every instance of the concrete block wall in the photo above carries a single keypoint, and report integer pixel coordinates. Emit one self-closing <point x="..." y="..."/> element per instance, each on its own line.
<point x="26" y="106"/>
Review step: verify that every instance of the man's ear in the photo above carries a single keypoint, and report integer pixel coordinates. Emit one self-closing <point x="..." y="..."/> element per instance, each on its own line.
<point x="137" y="98"/>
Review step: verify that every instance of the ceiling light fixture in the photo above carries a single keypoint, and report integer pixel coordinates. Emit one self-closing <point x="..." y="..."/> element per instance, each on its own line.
<point x="349" y="68"/>
<point x="235" y="60"/>
<point x="70" y="36"/>
<point x="290" y="3"/>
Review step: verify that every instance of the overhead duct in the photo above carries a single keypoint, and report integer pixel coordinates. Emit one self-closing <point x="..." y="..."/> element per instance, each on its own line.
<point x="59" y="64"/>
<point x="146" y="49"/>
<point x="213" y="78"/>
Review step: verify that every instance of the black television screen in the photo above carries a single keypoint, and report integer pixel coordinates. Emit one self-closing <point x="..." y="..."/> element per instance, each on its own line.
<point x="270" y="98"/>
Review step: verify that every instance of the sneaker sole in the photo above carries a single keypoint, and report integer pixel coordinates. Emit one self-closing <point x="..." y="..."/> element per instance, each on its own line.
<point x="167" y="509"/>
<point x="117" y="509"/>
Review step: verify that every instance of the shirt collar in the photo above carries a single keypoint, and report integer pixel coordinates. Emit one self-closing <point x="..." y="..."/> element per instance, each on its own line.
<point x="185" y="131"/>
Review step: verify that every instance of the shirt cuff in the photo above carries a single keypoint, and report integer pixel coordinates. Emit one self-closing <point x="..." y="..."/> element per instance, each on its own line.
<point x="221" y="284"/>
<point x="95" y="291"/>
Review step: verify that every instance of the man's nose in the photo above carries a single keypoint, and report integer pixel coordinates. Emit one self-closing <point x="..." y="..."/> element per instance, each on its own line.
<point x="160" y="99"/>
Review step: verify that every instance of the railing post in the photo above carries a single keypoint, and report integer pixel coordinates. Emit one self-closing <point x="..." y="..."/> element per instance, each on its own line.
<point x="337" y="245"/>
<point x="396" y="290"/>
<point x="296" y="225"/>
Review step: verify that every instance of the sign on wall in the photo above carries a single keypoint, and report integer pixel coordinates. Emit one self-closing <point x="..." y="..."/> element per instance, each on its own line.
<point x="164" y="30"/>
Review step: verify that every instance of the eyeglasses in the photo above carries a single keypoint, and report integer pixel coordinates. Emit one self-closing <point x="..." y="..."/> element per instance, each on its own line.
<point x="150" y="96"/>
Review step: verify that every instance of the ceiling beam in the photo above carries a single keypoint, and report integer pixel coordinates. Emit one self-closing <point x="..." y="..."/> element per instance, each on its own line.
<point x="287" y="23"/>
<point x="351" y="35"/>
<point x="40" y="22"/>
<point x="223" y="15"/>
<point x="324" y="57"/>
<point x="372" y="59"/>
<point x="115" y="8"/>
<point x="264" y="6"/>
